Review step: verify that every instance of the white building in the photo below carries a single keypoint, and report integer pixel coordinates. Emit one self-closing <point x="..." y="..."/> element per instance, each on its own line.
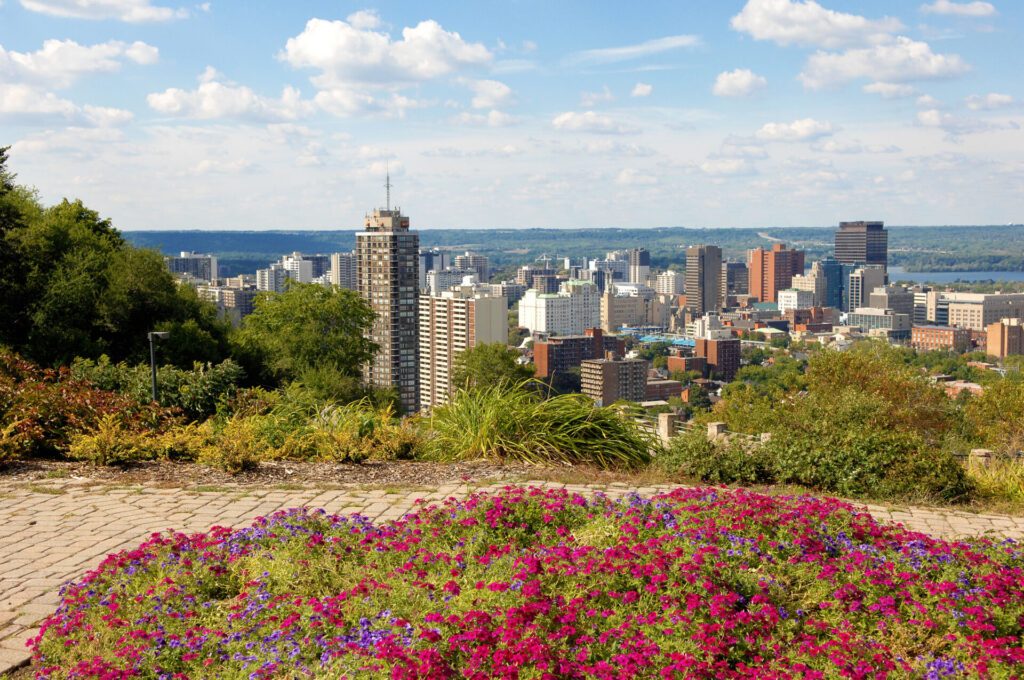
<point x="451" y="322"/>
<point x="343" y="270"/>
<point x="274" y="278"/>
<point x="442" y="280"/>
<point x="670" y="283"/>
<point x="574" y="308"/>
<point x="298" y="268"/>
<point x="814" y="282"/>
<point x="859" y="285"/>
<point x="977" y="311"/>
<point x="794" y="298"/>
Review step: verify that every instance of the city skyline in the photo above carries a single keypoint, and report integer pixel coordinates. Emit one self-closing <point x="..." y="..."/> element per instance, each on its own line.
<point x="169" y="115"/>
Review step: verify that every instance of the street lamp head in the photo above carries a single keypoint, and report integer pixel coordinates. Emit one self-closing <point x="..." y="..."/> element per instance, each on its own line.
<point x="159" y="335"/>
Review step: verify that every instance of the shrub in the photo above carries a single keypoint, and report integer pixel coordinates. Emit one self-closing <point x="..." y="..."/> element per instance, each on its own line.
<point x="236" y="447"/>
<point x="692" y="455"/>
<point x="196" y="392"/>
<point x="111" y="443"/>
<point x="516" y="424"/>
<point x="1001" y="479"/>
<point x="41" y="411"/>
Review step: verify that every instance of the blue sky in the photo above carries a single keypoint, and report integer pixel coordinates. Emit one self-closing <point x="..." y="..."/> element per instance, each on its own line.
<point x="268" y="114"/>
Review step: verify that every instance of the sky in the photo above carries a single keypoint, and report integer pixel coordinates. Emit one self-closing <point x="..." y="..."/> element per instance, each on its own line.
<point x="263" y="114"/>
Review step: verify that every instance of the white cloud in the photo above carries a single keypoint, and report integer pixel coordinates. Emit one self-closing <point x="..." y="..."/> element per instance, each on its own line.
<point x="926" y="101"/>
<point x="837" y="146"/>
<point x="993" y="100"/>
<point x="955" y="126"/>
<point x="890" y="90"/>
<point x="489" y="94"/>
<point x="645" y="49"/>
<point x="347" y="55"/>
<point x="632" y="177"/>
<point x="792" y="22"/>
<point x="589" y="121"/>
<point x="898" y="61"/>
<point x="25" y="103"/>
<point x="504" y="151"/>
<point x="641" y="90"/>
<point x="741" y="147"/>
<point x="963" y="9"/>
<point x="364" y="19"/>
<point x="741" y="82"/>
<point x="493" y="118"/>
<point x="356" y="63"/>
<point x="213" y="99"/>
<point x="726" y="167"/>
<point x="132" y="11"/>
<point x="801" y="130"/>
<point x="59" y="63"/>
<point x="589" y="99"/>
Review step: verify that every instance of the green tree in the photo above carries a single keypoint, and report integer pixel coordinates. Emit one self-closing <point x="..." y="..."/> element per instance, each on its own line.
<point x="488" y="364"/>
<point x="310" y="333"/>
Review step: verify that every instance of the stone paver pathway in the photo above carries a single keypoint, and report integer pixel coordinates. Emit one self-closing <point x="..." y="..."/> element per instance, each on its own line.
<point x="53" y="533"/>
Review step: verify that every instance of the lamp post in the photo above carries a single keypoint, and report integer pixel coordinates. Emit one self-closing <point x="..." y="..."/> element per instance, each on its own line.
<point x="154" y="336"/>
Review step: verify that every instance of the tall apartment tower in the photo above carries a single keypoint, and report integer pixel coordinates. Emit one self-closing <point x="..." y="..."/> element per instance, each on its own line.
<point x="387" y="272"/>
<point x="703" y="278"/>
<point x="773" y="270"/>
<point x="451" y="322"/>
<point x="862" y="243"/>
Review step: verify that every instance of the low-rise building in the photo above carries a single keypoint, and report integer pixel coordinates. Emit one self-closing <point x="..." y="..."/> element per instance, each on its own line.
<point x="662" y="389"/>
<point x="977" y="311"/>
<point x="896" y="325"/>
<point x="942" y="338"/>
<point x="564" y="353"/>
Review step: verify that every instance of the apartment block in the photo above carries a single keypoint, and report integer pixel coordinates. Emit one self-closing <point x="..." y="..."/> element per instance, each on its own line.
<point x="450" y="322"/>
<point x="722" y="356"/>
<point x="475" y="262"/>
<point x="343" y="271"/>
<point x="609" y="380"/>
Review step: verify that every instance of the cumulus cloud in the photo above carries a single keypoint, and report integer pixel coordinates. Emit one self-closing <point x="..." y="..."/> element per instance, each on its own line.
<point x="364" y="19"/>
<point x="792" y="22"/>
<point x="132" y="11"/>
<point x="214" y="99"/>
<point x="27" y="104"/>
<point x="890" y="90"/>
<point x="489" y="94"/>
<point x="628" y="52"/>
<point x="801" y="130"/>
<point x="963" y="9"/>
<point x="926" y="101"/>
<point x="631" y="177"/>
<point x="589" y="121"/>
<point x="355" y="63"/>
<point x="345" y="54"/>
<point x="641" y="90"/>
<point x="591" y="98"/>
<point x="988" y="102"/>
<point x="493" y="118"/>
<point x="59" y="63"/>
<point x="741" y="82"/>
<point x="901" y="60"/>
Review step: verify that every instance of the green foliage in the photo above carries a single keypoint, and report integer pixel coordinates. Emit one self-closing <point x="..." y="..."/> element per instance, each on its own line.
<point x="110" y="442"/>
<point x="488" y="364"/>
<point x="82" y="290"/>
<point x="997" y="416"/>
<point x="506" y="423"/>
<point x="196" y="392"/>
<point x="1001" y="479"/>
<point x="312" y="331"/>
<point x="691" y="455"/>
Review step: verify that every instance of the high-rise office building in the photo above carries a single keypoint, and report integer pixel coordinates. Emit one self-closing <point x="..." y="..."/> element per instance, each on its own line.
<point x="897" y="298"/>
<point x="343" y="271"/>
<point x="735" y="280"/>
<point x="859" y="285"/>
<point x="478" y="263"/>
<point x="835" y="282"/>
<point x="862" y="243"/>
<point x="387" y="262"/>
<point x="320" y="264"/>
<point x="703" y="278"/>
<point x="199" y="266"/>
<point x="639" y="264"/>
<point x="773" y="270"/>
<point x="433" y="260"/>
<point x="451" y="322"/>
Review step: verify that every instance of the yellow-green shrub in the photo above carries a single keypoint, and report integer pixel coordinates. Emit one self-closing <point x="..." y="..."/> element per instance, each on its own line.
<point x="111" y="443"/>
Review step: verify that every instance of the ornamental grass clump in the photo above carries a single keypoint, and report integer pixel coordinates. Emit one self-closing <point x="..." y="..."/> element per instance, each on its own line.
<point x="526" y="582"/>
<point x="516" y="424"/>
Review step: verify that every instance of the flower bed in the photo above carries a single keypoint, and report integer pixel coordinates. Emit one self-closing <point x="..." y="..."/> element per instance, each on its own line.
<point x="540" y="583"/>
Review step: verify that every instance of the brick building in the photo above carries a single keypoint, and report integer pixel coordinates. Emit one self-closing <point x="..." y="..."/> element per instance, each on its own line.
<point x="772" y="271"/>
<point x="561" y="354"/>
<point x="1005" y="337"/>
<point x="609" y="380"/>
<point x="943" y="338"/>
<point x="722" y="356"/>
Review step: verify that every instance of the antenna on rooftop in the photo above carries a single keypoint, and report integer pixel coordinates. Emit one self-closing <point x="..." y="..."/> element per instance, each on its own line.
<point x="387" y="185"/>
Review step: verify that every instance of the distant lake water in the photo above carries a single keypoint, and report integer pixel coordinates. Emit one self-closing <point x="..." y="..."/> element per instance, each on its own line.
<point x="897" y="274"/>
